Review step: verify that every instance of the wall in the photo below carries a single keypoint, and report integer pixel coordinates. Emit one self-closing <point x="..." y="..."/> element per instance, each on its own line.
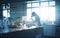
<point x="58" y="11"/>
<point x="58" y="18"/>
<point x="18" y="10"/>
<point x="1" y="14"/>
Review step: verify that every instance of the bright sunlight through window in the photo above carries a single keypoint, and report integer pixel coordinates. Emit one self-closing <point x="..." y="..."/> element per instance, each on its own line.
<point x="6" y="10"/>
<point x="45" y="10"/>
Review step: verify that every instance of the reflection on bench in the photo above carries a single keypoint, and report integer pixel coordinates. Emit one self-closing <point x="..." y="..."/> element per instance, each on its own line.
<point x="29" y="33"/>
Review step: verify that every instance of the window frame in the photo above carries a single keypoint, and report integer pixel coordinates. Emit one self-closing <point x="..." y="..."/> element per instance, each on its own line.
<point x="40" y="5"/>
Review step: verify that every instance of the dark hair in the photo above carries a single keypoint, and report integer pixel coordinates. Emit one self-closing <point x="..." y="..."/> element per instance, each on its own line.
<point x="33" y="13"/>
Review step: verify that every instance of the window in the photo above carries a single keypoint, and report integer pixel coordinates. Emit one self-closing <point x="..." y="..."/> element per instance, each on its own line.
<point x="44" y="4"/>
<point x="35" y="10"/>
<point x="44" y="13"/>
<point x="6" y="10"/>
<point x="35" y="4"/>
<point x="52" y="3"/>
<point x="29" y="5"/>
<point x="45" y="10"/>
<point x="5" y="13"/>
<point x="51" y="13"/>
<point x="29" y="14"/>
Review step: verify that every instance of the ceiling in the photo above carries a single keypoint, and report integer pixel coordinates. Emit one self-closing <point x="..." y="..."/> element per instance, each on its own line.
<point x="9" y="1"/>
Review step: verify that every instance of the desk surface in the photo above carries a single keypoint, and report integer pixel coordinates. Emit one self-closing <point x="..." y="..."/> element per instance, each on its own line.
<point x="21" y="29"/>
<point x="29" y="33"/>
